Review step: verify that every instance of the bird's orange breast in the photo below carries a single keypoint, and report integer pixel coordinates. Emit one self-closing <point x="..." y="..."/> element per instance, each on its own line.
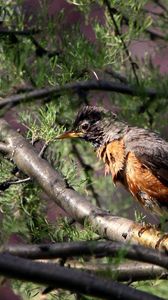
<point x="140" y="177"/>
<point x="113" y="155"/>
<point x="134" y="175"/>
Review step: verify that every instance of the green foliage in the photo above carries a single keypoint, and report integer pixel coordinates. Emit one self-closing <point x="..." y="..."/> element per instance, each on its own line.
<point x="42" y="123"/>
<point x="155" y="287"/>
<point x="67" y="232"/>
<point x="23" y="206"/>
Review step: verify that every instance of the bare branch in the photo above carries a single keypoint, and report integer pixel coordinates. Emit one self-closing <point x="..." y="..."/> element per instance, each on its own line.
<point x="133" y="271"/>
<point x="66" y="278"/>
<point x="43" y="149"/>
<point x="76" y="205"/>
<point x="97" y="85"/>
<point x="6" y="184"/>
<point x="88" y="248"/>
<point x="19" y="181"/>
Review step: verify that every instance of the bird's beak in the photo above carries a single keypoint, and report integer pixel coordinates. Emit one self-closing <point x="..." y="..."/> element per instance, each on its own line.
<point x="70" y="134"/>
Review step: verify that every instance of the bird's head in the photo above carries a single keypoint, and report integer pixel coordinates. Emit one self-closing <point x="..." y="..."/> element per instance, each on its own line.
<point x="92" y="124"/>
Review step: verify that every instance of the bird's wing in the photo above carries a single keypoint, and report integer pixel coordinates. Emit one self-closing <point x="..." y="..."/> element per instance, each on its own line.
<point x="150" y="149"/>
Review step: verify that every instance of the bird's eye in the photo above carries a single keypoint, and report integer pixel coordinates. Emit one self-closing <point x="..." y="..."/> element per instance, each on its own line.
<point x="85" y="126"/>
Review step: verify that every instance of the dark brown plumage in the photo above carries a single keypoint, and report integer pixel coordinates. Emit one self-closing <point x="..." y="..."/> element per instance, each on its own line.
<point x="136" y="157"/>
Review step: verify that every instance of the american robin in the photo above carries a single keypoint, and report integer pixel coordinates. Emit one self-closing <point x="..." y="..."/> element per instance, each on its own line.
<point x="136" y="157"/>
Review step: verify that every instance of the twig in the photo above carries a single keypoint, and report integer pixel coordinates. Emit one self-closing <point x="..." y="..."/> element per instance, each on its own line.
<point x="116" y="75"/>
<point x="99" y="85"/>
<point x="71" y="279"/>
<point x="43" y="149"/>
<point x="86" y="169"/>
<point x="25" y="32"/>
<point x="133" y="65"/>
<point x="41" y="51"/>
<point x="6" y="184"/>
<point x="20" y="181"/>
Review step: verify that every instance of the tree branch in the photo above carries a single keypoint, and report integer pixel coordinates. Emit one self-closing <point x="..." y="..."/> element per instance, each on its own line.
<point x="76" y="205"/>
<point x="71" y="279"/>
<point x="6" y="184"/>
<point x="88" y="248"/>
<point x="133" y="271"/>
<point x="97" y="85"/>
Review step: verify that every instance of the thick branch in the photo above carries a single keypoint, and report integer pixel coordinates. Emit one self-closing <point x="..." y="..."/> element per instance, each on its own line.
<point x="65" y="278"/>
<point x="99" y="85"/>
<point x="88" y="248"/>
<point x="107" y="225"/>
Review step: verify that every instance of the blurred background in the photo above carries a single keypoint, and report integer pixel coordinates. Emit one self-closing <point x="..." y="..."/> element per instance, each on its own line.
<point x="48" y="44"/>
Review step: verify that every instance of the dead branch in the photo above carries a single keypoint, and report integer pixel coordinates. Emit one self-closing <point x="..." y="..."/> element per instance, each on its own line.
<point x="133" y="271"/>
<point x="67" y="278"/>
<point x="88" y="248"/>
<point x="76" y="205"/>
<point x="76" y="87"/>
<point x="6" y="184"/>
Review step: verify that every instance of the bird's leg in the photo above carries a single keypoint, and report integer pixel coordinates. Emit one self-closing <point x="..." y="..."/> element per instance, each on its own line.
<point x="161" y="240"/>
<point x="145" y="201"/>
<point x="145" y="228"/>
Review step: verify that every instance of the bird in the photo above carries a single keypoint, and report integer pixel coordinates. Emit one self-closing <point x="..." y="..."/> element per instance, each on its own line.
<point x="136" y="157"/>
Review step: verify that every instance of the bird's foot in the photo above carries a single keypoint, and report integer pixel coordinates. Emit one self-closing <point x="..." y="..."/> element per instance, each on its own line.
<point x="161" y="240"/>
<point x="145" y="228"/>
